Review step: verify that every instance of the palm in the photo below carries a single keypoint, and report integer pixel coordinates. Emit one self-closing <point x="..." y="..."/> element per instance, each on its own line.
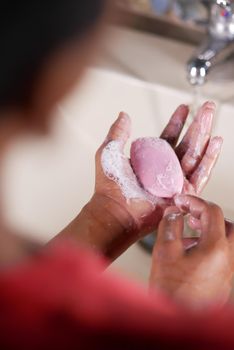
<point x="196" y="152"/>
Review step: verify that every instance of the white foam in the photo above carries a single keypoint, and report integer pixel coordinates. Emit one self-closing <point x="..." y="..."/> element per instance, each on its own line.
<point x="153" y="141"/>
<point x="173" y="216"/>
<point x="116" y="166"/>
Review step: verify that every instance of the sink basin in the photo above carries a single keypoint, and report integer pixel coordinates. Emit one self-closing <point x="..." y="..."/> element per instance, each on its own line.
<point x="48" y="181"/>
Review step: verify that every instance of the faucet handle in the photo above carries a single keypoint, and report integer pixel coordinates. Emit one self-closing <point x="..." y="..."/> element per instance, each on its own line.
<point x="224" y="7"/>
<point x="226" y="4"/>
<point x="222" y="19"/>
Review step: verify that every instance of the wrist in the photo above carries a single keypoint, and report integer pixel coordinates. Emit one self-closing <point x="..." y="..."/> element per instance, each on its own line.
<point x="104" y="226"/>
<point x="112" y="229"/>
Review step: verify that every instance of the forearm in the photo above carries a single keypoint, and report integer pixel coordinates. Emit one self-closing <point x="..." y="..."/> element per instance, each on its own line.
<point x="103" y="226"/>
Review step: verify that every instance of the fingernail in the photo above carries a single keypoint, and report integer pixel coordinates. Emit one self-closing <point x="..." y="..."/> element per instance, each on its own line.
<point x="172" y="213"/>
<point x="215" y="146"/>
<point x="209" y="104"/>
<point x="182" y="106"/>
<point x="123" y="117"/>
<point x="182" y="201"/>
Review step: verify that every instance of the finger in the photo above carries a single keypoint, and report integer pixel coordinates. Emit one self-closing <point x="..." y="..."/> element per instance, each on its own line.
<point x="201" y="175"/>
<point x="172" y="131"/>
<point x="194" y="223"/>
<point x="194" y="143"/>
<point x="120" y="130"/>
<point x="199" y="139"/>
<point x="190" y="243"/>
<point x="229" y="227"/>
<point x="184" y="144"/>
<point x="210" y="216"/>
<point x="169" y="238"/>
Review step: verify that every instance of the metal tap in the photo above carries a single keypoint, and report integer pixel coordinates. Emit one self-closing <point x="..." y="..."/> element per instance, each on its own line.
<point x="218" y="44"/>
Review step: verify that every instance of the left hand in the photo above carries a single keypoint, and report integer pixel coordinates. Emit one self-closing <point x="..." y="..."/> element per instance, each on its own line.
<point x="197" y="153"/>
<point x="109" y="223"/>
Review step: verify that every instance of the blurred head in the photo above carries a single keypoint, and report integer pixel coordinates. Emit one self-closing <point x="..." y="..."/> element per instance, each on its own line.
<point x="45" y="46"/>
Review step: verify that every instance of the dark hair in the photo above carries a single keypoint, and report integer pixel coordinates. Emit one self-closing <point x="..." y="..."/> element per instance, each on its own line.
<point x="32" y="29"/>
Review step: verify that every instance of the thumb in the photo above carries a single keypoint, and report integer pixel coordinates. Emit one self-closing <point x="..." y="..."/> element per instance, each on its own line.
<point x="120" y="129"/>
<point x="169" y="240"/>
<point x="209" y="215"/>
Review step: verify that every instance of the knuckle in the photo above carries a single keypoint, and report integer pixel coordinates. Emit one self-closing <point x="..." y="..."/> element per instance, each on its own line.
<point x="216" y="210"/>
<point x="217" y="250"/>
<point x="217" y="247"/>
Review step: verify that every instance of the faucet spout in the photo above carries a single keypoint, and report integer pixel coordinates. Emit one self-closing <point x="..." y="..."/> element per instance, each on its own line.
<point x="212" y="52"/>
<point x="217" y="46"/>
<point x="197" y="71"/>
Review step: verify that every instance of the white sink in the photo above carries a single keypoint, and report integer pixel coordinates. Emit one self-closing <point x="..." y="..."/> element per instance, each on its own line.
<point x="47" y="182"/>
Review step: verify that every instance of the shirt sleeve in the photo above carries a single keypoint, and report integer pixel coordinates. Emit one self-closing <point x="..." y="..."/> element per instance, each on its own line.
<point x="63" y="298"/>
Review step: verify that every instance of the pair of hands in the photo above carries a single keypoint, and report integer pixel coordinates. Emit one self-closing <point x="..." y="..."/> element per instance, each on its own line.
<point x="197" y="153"/>
<point x="204" y="272"/>
<point x="110" y="224"/>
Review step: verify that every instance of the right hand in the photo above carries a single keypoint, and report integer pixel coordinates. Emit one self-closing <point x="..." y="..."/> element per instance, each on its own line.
<point x="203" y="274"/>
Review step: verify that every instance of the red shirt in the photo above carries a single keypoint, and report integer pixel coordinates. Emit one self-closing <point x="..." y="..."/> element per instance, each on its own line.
<point x="62" y="299"/>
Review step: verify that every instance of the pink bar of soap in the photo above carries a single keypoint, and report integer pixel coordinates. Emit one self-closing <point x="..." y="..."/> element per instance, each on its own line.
<point x="157" y="167"/>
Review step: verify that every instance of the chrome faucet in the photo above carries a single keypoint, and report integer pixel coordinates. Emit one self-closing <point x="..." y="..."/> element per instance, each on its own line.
<point x="218" y="44"/>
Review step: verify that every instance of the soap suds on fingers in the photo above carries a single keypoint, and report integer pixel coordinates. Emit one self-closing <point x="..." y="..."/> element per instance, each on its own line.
<point x="173" y="216"/>
<point x="116" y="166"/>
